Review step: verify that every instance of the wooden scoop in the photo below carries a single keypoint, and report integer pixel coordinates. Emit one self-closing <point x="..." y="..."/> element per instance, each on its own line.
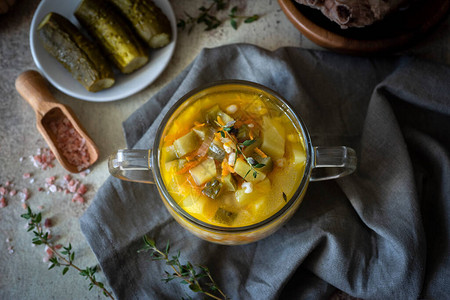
<point x="33" y="88"/>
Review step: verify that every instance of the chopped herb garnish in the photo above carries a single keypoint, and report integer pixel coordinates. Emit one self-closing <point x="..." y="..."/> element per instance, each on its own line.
<point x="251" y="19"/>
<point x="208" y="17"/>
<point x="248" y="142"/>
<point x="233" y="17"/>
<point x="284" y="197"/>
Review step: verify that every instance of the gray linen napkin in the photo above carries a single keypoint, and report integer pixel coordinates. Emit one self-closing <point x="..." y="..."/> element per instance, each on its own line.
<point x="381" y="233"/>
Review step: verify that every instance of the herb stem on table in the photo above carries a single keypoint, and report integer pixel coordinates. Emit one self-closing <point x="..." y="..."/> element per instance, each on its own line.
<point x="206" y="16"/>
<point x="187" y="273"/>
<point x="65" y="257"/>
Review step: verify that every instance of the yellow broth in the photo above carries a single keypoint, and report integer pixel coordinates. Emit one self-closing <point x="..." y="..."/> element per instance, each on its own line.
<point x="232" y="158"/>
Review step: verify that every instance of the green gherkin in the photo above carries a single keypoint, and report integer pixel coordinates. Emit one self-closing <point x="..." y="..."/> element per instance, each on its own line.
<point x="148" y="21"/>
<point x="113" y="33"/>
<point x="75" y="52"/>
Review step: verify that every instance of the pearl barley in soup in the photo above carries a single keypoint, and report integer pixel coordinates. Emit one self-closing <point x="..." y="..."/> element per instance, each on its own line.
<point x="232" y="158"/>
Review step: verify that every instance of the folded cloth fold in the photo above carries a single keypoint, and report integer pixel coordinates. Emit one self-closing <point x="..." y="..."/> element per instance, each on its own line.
<point x="381" y="233"/>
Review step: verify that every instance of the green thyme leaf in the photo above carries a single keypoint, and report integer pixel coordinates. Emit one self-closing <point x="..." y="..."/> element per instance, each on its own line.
<point x="251" y="19"/>
<point x="26" y="216"/>
<point x="259" y="166"/>
<point x="233" y="11"/>
<point x="167" y="248"/>
<point x="65" y="270"/>
<point x="194" y="287"/>
<point x="284" y="197"/>
<point x="233" y="24"/>
<point x="248" y="142"/>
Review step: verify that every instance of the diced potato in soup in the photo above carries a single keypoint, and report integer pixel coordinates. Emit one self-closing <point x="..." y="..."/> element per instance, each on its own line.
<point x="232" y="158"/>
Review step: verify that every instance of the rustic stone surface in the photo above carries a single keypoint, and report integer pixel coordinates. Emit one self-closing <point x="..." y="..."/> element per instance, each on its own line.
<point x="24" y="275"/>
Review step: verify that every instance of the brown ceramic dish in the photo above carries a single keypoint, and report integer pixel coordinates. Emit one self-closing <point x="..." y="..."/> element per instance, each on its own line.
<point x="395" y="32"/>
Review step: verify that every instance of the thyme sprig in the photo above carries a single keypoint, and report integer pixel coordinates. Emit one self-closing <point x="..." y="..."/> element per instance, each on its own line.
<point x="226" y="131"/>
<point x="206" y="16"/>
<point x="194" y="276"/>
<point x="233" y="17"/>
<point x="64" y="258"/>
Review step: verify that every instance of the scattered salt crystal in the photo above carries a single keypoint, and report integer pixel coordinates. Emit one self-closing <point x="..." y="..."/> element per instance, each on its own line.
<point x="48" y="223"/>
<point x="53" y="188"/>
<point x="73" y="185"/>
<point x="46" y="259"/>
<point x="21" y="159"/>
<point x="82" y="189"/>
<point x="26" y="175"/>
<point x="3" y="202"/>
<point x="32" y="180"/>
<point x="12" y="192"/>
<point x="49" y="251"/>
<point x="10" y="249"/>
<point x="78" y="198"/>
<point x="50" y="180"/>
<point x="8" y="183"/>
<point x="24" y="195"/>
<point x="8" y="240"/>
<point x="43" y="158"/>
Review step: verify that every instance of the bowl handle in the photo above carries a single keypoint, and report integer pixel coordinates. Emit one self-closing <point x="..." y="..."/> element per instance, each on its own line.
<point x="131" y="165"/>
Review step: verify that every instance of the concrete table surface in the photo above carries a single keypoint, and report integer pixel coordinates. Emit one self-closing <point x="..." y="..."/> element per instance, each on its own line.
<point x="23" y="274"/>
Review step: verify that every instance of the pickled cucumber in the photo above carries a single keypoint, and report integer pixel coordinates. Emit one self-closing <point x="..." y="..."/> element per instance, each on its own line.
<point x="186" y="144"/>
<point x="113" y="33"/>
<point x="273" y="138"/>
<point x="75" y="52"/>
<point x="243" y="169"/>
<point x="148" y="21"/>
<point x="204" y="172"/>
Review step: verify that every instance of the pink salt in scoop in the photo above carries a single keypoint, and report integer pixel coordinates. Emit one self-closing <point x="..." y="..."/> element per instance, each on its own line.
<point x="57" y="123"/>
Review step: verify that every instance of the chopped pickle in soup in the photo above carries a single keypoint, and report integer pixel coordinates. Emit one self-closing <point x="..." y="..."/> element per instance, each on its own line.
<point x="232" y="158"/>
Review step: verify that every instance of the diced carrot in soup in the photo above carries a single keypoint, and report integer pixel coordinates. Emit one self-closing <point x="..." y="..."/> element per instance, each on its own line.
<point x="254" y="163"/>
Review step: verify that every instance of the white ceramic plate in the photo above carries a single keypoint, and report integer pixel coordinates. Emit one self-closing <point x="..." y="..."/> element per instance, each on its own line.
<point x="125" y="85"/>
